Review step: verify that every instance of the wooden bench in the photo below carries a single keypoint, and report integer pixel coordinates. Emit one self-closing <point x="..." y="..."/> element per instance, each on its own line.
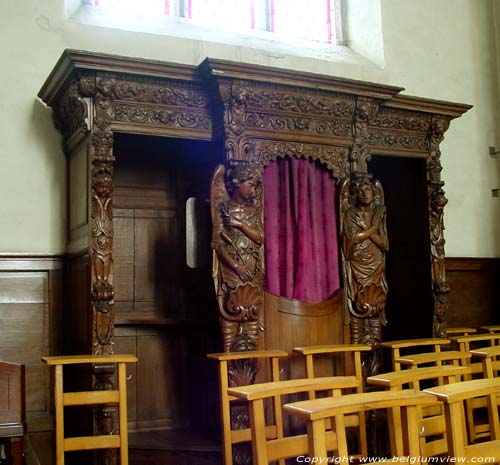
<point x="397" y="346"/>
<point x="318" y="411"/>
<point x="90" y="398"/>
<point x="280" y="447"/>
<point x="453" y="397"/>
<point x="237" y="436"/>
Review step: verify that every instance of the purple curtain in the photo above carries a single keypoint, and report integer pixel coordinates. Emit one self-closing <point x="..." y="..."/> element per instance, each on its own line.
<point x="301" y="234"/>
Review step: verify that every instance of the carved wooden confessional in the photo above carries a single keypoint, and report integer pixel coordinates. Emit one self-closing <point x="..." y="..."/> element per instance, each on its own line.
<point x="129" y="288"/>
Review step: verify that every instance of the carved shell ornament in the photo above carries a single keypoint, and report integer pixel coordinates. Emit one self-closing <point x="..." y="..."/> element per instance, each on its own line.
<point x="243" y="304"/>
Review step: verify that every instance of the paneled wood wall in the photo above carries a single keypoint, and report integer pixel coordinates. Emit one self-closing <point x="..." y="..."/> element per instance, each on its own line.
<point x="30" y="315"/>
<point x="474" y="298"/>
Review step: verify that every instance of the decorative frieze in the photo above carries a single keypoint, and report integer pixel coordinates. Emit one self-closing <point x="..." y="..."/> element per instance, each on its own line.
<point x="390" y="118"/>
<point x="335" y="159"/>
<point x="397" y="140"/>
<point x="295" y="100"/>
<point x="298" y="124"/>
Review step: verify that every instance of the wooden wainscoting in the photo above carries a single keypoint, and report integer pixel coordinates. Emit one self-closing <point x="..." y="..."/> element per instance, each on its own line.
<point x="474" y="298"/>
<point x="30" y="314"/>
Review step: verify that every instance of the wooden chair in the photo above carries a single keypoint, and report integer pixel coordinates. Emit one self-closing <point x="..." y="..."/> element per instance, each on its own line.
<point x="433" y="440"/>
<point x="492" y="329"/>
<point x="490" y="360"/>
<point x="91" y="398"/>
<point x="467" y="344"/>
<point x="280" y="447"/>
<point x="12" y="411"/>
<point x="350" y="355"/>
<point x="453" y="397"/>
<point x="229" y="436"/>
<point x="412" y="344"/>
<point x="318" y="411"/>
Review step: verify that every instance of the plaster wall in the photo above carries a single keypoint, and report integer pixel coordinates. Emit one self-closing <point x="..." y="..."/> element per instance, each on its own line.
<point x="441" y="49"/>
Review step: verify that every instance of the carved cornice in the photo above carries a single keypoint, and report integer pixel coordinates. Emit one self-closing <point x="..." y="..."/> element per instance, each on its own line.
<point x="335" y="159"/>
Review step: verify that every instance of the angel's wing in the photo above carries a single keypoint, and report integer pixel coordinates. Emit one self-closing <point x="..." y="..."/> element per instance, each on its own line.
<point x="344" y="204"/>
<point x="218" y="193"/>
<point x="344" y="201"/>
<point x="378" y="192"/>
<point x="218" y="199"/>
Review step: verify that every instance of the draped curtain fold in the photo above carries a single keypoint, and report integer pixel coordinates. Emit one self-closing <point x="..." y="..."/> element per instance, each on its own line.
<point x="301" y="233"/>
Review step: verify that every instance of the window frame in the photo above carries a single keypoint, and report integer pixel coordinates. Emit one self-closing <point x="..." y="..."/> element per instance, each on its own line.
<point x="183" y="8"/>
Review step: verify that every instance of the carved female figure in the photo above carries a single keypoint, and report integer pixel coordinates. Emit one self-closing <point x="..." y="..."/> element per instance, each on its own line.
<point x="237" y="241"/>
<point x="364" y="237"/>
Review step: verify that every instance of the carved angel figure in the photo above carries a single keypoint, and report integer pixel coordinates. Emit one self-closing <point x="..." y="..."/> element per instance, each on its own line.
<point x="237" y="242"/>
<point x="364" y="244"/>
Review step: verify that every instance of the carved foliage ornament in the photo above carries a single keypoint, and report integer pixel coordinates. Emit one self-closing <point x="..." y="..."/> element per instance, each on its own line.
<point x="437" y="202"/>
<point x="366" y="111"/>
<point x="261" y="152"/>
<point x="296" y="101"/>
<point x="101" y="240"/>
<point x="70" y="113"/>
<point x="388" y="118"/>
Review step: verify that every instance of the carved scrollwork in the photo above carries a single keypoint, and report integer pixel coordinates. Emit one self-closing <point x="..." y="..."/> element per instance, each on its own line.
<point x="101" y="234"/>
<point x="388" y="118"/>
<point x="335" y="159"/>
<point x="157" y="92"/>
<point x="366" y="111"/>
<point x="437" y="202"/>
<point x="398" y="140"/>
<point x="71" y="113"/>
<point x="160" y="117"/>
<point x="297" y="101"/>
<point x="297" y="124"/>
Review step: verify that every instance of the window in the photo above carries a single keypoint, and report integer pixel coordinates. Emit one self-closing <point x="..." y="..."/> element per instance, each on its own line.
<point x="315" y="20"/>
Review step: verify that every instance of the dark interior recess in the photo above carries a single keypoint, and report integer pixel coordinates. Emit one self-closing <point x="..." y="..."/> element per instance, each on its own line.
<point x="408" y="260"/>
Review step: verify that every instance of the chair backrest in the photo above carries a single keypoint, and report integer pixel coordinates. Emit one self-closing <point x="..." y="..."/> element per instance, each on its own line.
<point x="453" y="397"/>
<point x="12" y="399"/>
<point x="491" y="328"/>
<point x="280" y="446"/>
<point x="453" y="357"/>
<point x="12" y="411"/>
<point x="413" y="345"/>
<point x="90" y="398"/>
<point x="466" y="344"/>
<point x="317" y="411"/>
<point x="460" y="331"/>
<point x="232" y="436"/>
<point x="490" y="360"/>
<point x="349" y="356"/>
